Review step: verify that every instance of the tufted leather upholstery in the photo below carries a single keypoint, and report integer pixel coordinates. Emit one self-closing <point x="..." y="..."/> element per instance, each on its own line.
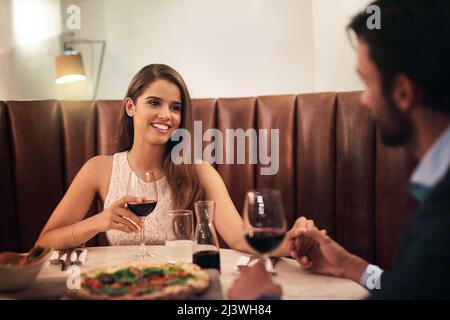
<point x="332" y="167"/>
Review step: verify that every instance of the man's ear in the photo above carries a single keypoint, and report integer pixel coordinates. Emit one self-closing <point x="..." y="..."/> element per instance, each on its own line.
<point x="129" y="106"/>
<point x="405" y="93"/>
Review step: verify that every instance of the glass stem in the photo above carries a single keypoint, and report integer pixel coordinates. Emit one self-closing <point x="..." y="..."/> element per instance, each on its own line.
<point x="265" y="258"/>
<point x="142" y="247"/>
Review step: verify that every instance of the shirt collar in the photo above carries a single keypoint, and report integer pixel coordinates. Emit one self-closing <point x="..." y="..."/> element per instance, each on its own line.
<point x="432" y="167"/>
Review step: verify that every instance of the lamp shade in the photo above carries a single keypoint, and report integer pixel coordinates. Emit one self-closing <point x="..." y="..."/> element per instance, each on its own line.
<point x="69" y="68"/>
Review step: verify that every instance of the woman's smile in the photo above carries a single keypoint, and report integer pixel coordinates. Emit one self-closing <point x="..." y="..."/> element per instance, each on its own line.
<point x="160" y="127"/>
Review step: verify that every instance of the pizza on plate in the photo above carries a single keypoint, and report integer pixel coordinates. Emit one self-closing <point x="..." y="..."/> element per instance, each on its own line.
<point x="142" y="281"/>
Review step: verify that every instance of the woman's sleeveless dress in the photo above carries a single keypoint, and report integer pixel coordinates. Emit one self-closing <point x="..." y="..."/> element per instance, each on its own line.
<point x="155" y="223"/>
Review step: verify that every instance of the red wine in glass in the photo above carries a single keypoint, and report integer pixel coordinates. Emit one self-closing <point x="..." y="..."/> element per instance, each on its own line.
<point x="264" y="221"/>
<point x="265" y="241"/>
<point x="142" y="184"/>
<point x="142" y="209"/>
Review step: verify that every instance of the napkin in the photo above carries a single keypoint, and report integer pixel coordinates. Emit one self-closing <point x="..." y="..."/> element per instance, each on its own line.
<point x="250" y="261"/>
<point x="59" y="257"/>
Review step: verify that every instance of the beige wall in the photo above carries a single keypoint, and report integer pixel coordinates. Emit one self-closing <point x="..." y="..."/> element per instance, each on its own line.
<point x="29" y="40"/>
<point x="221" y="48"/>
<point x="334" y="57"/>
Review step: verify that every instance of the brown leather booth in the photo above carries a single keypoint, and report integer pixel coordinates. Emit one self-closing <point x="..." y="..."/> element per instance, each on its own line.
<point x="333" y="167"/>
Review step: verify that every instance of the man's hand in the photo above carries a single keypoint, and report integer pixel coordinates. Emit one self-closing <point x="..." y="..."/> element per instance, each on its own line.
<point x="325" y="256"/>
<point x="303" y="244"/>
<point x="252" y="283"/>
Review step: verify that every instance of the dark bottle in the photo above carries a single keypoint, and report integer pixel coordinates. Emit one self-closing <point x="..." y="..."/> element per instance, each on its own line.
<point x="206" y="246"/>
<point x="207" y="259"/>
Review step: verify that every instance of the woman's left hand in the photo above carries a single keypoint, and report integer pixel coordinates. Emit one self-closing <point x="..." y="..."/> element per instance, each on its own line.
<point x="301" y="244"/>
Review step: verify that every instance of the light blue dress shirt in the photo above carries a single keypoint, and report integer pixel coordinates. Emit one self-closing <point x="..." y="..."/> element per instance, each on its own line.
<point x="431" y="169"/>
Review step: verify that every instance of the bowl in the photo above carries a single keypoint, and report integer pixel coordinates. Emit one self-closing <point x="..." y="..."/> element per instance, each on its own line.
<point x="14" y="276"/>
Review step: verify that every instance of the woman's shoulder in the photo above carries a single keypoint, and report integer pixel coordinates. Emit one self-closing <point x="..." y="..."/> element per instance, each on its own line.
<point x="202" y="166"/>
<point x="98" y="166"/>
<point x="94" y="173"/>
<point x="206" y="172"/>
<point x="99" y="162"/>
<point x="97" y="170"/>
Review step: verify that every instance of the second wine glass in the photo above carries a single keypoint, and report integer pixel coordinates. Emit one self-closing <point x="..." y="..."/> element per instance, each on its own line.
<point x="264" y="221"/>
<point x="142" y="184"/>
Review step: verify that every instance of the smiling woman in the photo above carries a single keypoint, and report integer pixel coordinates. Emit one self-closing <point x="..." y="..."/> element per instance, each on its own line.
<point x="156" y="104"/>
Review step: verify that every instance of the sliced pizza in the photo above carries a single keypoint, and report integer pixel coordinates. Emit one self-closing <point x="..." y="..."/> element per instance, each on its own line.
<point x="142" y="281"/>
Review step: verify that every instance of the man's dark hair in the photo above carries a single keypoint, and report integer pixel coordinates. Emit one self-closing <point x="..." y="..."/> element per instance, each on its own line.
<point x="414" y="40"/>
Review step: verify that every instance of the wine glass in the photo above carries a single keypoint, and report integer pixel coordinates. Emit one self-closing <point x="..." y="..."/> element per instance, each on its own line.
<point x="264" y="221"/>
<point x="142" y="184"/>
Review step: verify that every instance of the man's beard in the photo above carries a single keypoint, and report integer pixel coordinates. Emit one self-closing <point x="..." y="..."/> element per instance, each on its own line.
<point x="395" y="126"/>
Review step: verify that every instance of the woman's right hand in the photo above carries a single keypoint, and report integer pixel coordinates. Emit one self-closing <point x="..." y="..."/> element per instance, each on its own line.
<point x="117" y="217"/>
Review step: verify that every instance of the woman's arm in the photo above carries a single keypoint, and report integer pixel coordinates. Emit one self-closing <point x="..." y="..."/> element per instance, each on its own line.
<point x="66" y="227"/>
<point x="227" y="220"/>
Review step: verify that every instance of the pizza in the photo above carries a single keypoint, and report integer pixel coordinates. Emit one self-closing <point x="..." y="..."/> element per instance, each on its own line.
<point x="142" y="281"/>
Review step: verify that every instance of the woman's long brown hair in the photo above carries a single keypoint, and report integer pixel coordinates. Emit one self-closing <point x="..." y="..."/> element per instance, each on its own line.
<point x="182" y="178"/>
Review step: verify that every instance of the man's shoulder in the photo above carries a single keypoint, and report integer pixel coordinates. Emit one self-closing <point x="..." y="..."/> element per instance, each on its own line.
<point x="439" y="196"/>
<point x="432" y="218"/>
